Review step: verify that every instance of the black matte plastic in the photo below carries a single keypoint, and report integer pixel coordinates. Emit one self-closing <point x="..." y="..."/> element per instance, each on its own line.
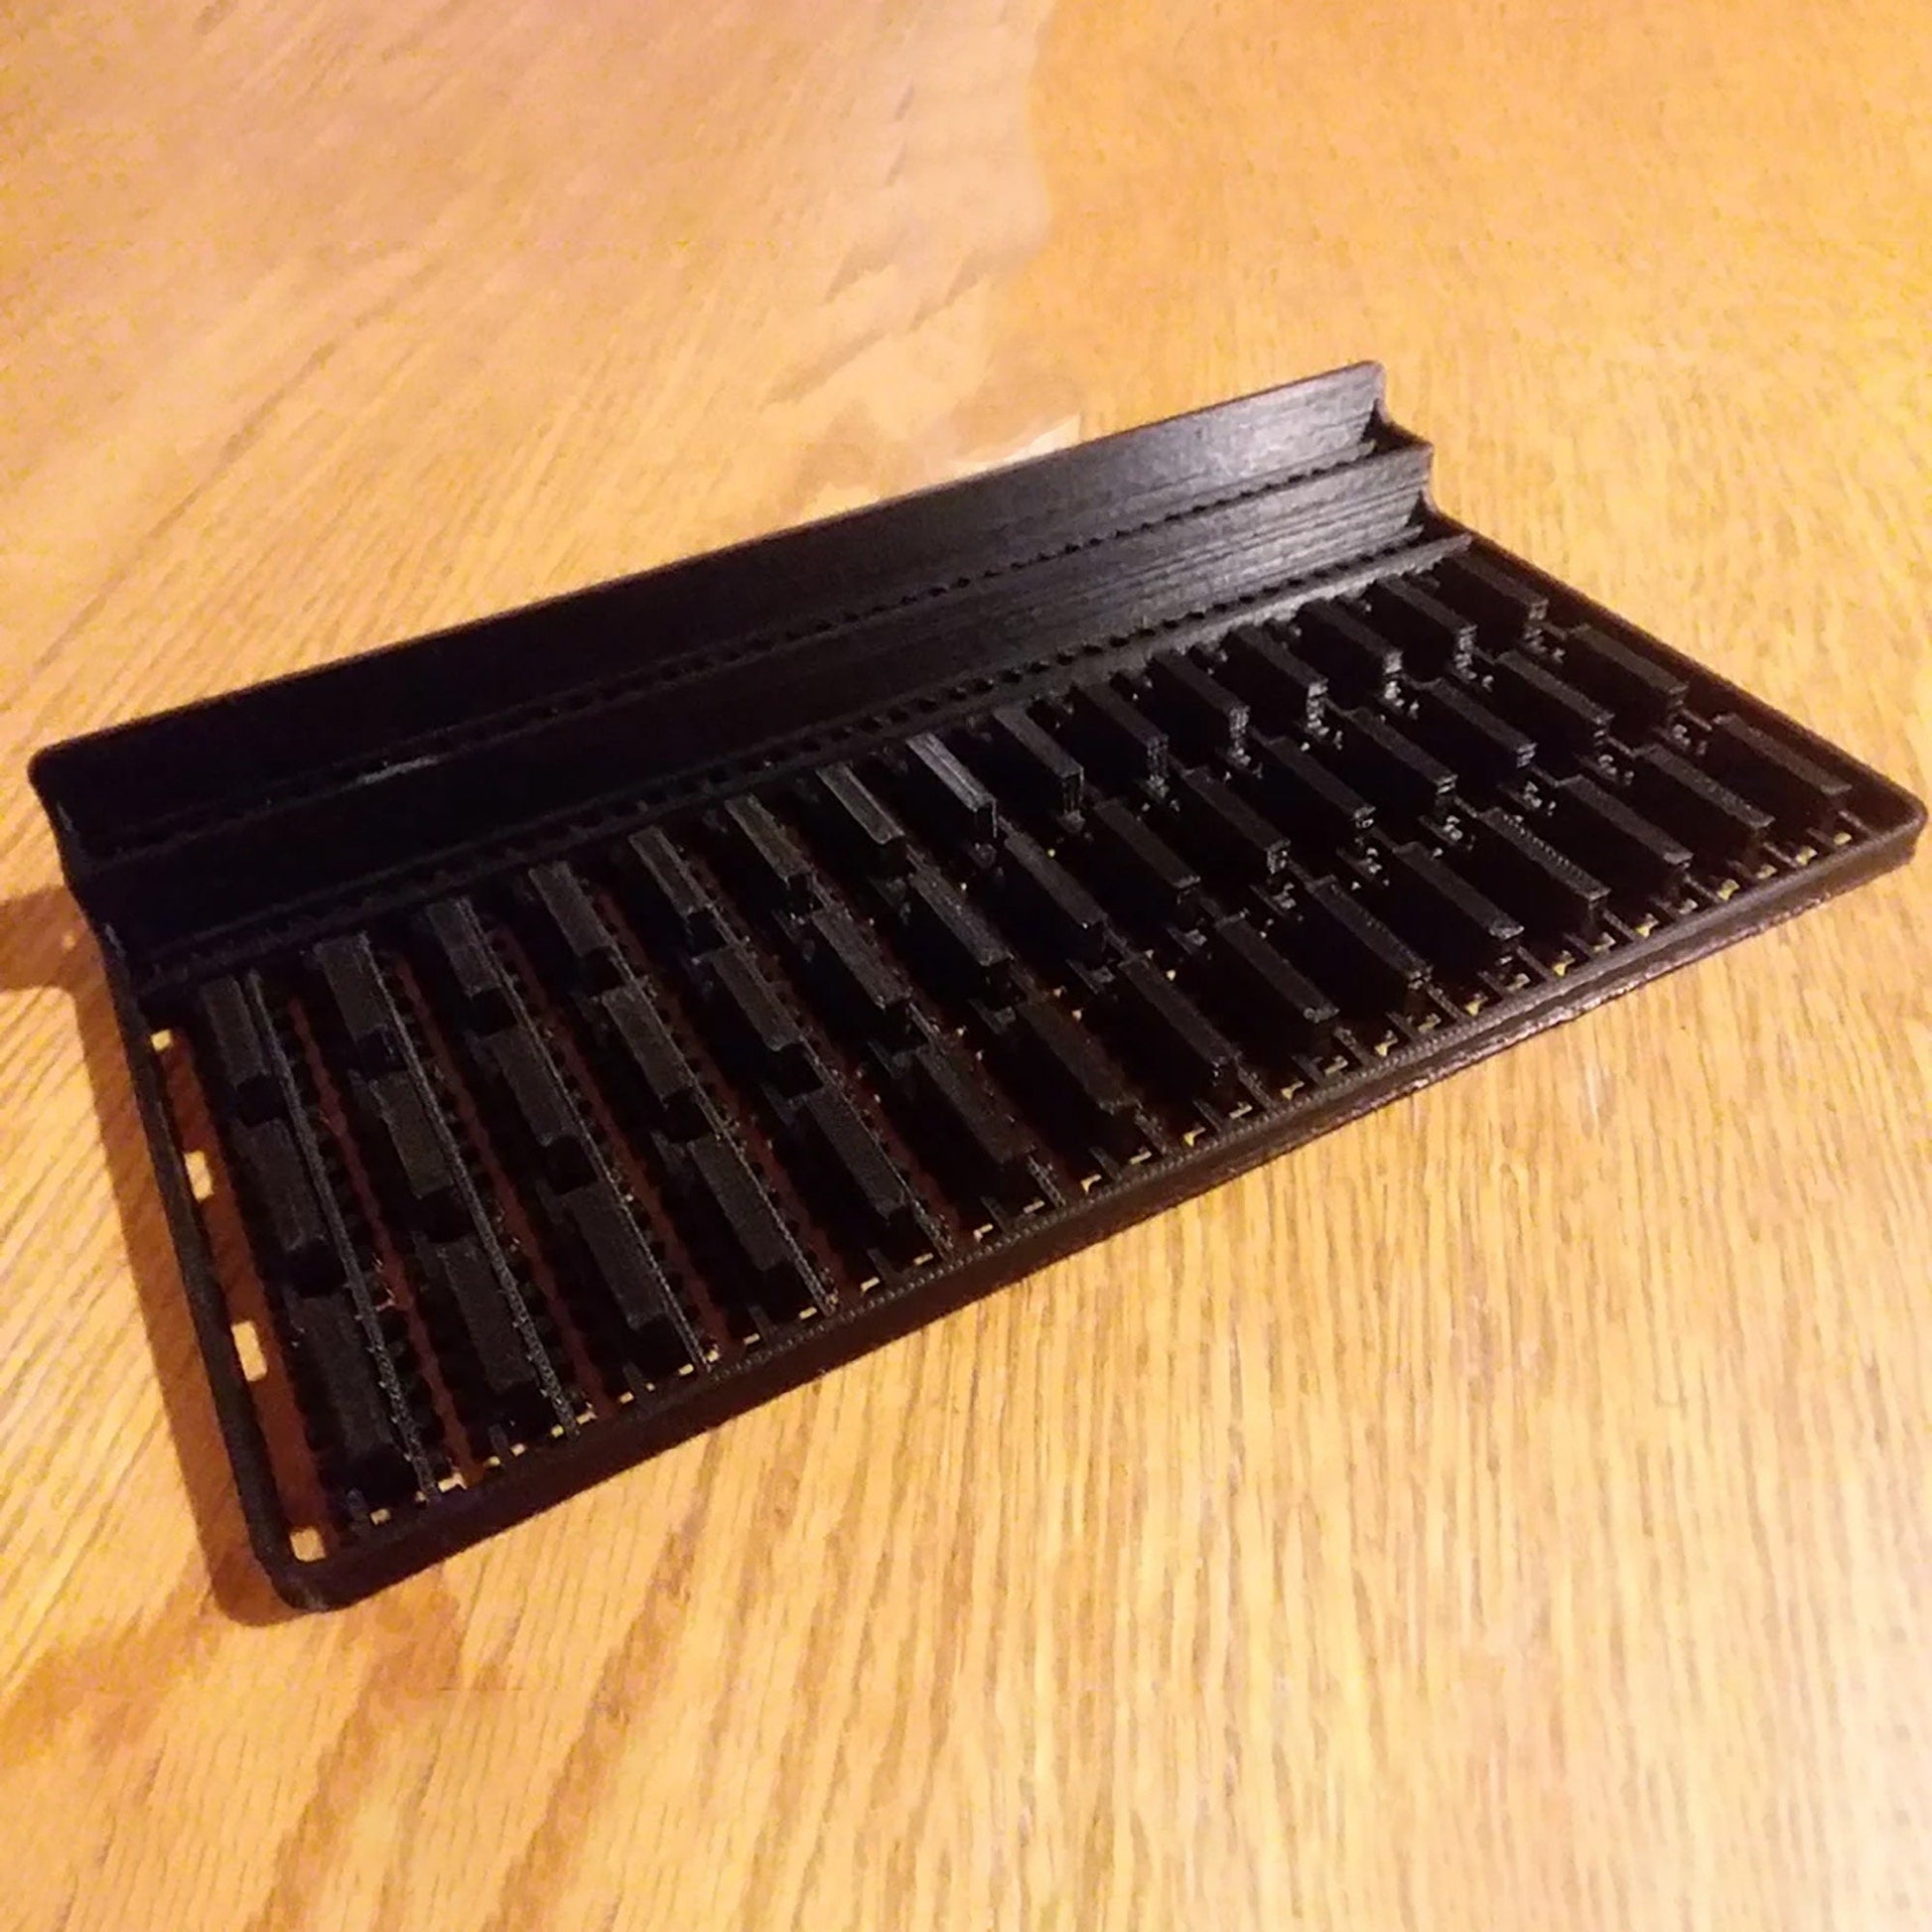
<point x="614" y="1013"/>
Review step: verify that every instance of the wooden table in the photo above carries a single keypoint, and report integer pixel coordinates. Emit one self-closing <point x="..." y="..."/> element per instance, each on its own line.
<point x="1511" y="1511"/>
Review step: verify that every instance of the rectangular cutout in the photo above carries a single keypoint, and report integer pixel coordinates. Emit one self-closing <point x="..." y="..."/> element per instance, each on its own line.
<point x="248" y="1350"/>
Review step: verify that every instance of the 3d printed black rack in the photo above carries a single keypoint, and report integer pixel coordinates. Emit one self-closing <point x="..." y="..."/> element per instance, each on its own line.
<point x="609" y="1015"/>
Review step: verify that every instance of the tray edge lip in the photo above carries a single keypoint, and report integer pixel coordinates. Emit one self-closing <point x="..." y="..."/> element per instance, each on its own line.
<point x="1365" y="373"/>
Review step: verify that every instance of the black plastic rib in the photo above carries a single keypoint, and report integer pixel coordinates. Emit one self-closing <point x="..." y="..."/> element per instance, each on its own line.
<point x="865" y="916"/>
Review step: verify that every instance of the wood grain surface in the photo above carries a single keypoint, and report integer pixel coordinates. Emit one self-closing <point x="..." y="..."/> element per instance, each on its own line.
<point x="1512" y="1511"/>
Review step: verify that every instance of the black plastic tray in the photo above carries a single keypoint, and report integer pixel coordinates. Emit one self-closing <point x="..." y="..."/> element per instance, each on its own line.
<point x="599" y="1019"/>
